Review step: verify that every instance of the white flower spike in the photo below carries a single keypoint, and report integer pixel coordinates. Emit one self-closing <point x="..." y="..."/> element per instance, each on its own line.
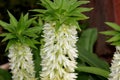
<point x="59" y="53"/>
<point x="21" y="62"/>
<point x="21" y="38"/>
<point x="115" y="65"/>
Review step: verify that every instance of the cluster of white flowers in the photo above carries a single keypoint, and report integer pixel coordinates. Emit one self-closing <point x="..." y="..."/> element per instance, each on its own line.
<point x="59" y="53"/>
<point x="21" y="62"/>
<point x="115" y="65"/>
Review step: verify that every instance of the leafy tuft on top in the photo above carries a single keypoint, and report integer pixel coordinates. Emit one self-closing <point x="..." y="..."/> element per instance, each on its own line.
<point x="20" y="31"/>
<point x="115" y="34"/>
<point x="63" y="11"/>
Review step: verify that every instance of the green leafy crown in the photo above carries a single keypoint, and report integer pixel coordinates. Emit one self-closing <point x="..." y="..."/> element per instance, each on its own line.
<point x="115" y="34"/>
<point x="20" y="31"/>
<point x="62" y="11"/>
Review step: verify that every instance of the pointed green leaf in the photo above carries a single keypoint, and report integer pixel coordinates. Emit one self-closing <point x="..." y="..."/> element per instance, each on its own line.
<point x="114" y="38"/>
<point x="9" y="36"/>
<point x="65" y="5"/>
<point x="26" y="17"/>
<point x="117" y="43"/>
<point x="31" y="34"/>
<point x="38" y="10"/>
<point x="85" y="49"/>
<point x="10" y="43"/>
<point x="48" y="4"/>
<point x="21" y="38"/>
<point x="58" y="3"/>
<point x="91" y="58"/>
<point x="83" y="9"/>
<point x="29" y="22"/>
<point x="113" y="25"/>
<point x="4" y="34"/>
<point x="13" y="20"/>
<point x="35" y="41"/>
<point x="21" y="24"/>
<point x="30" y="43"/>
<point x="6" y="26"/>
<point x="77" y="3"/>
<point x="110" y="33"/>
<point x="89" y="37"/>
<point x="81" y="17"/>
<point x="35" y="29"/>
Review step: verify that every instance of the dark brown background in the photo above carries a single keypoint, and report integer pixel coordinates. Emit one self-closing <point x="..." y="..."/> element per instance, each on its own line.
<point x="104" y="10"/>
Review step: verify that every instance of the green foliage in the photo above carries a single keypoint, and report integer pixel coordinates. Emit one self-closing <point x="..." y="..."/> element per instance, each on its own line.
<point x="37" y="61"/>
<point x="94" y="70"/>
<point x="88" y="59"/>
<point x="115" y="39"/>
<point x="5" y="75"/>
<point x="19" y="31"/>
<point x="88" y="38"/>
<point x="63" y="11"/>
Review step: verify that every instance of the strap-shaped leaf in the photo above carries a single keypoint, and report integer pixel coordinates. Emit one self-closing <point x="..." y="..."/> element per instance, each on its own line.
<point x="83" y="9"/>
<point x="38" y="10"/>
<point x="113" y="25"/>
<point x="114" y="38"/>
<point x="94" y="70"/>
<point x="117" y="43"/>
<point x="4" y="34"/>
<point x="110" y="32"/>
<point x="85" y="49"/>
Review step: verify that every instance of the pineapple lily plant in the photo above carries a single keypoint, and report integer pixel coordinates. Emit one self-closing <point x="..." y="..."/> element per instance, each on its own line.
<point x="21" y="39"/>
<point x="59" y="50"/>
<point x="63" y="54"/>
<point x="114" y="40"/>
